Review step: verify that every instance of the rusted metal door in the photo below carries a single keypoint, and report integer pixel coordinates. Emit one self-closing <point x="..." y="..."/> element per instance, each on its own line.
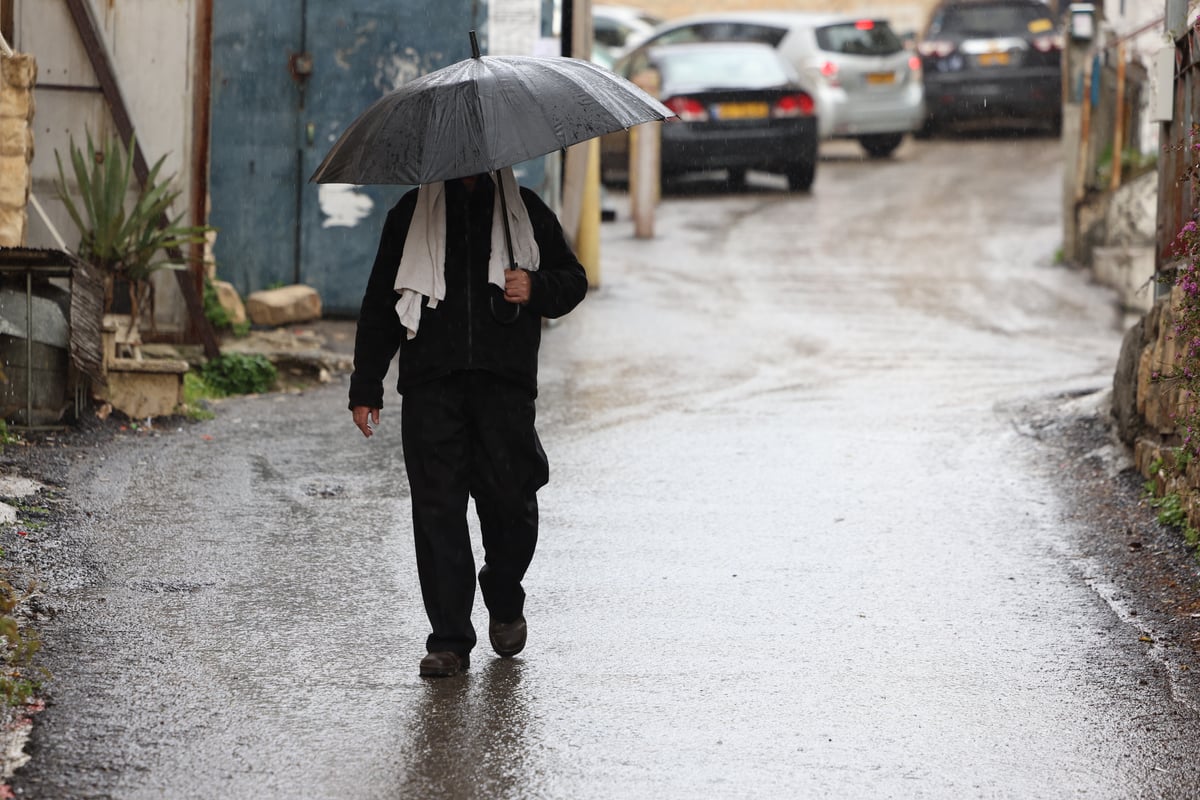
<point x="288" y="76"/>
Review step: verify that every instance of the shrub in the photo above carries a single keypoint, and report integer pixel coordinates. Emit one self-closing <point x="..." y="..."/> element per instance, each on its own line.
<point x="239" y="373"/>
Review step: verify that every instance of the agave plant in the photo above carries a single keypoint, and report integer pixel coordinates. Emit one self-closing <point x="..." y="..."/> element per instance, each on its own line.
<point x="129" y="242"/>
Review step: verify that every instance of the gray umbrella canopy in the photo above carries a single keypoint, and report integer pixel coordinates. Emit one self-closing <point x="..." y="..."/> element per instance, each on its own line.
<point x="483" y="114"/>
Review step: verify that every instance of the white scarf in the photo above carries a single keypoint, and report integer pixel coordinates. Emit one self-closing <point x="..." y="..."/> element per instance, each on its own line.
<point x="422" y="270"/>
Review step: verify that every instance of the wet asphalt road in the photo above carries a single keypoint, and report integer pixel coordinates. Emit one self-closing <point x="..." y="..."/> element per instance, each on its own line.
<point x="795" y="543"/>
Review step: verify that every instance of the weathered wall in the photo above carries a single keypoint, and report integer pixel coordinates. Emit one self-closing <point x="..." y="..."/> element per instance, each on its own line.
<point x="17" y="76"/>
<point x="151" y="43"/>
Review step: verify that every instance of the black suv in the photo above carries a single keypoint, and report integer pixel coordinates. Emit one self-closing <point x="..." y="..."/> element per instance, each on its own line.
<point x="992" y="60"/>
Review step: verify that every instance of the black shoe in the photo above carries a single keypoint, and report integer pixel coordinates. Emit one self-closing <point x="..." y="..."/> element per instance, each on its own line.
<point x="508" y="638"/>
<point x="443" y="664"/>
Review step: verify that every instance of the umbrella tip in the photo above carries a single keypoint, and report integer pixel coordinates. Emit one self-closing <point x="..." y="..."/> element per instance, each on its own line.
<point x="474" y="46"/>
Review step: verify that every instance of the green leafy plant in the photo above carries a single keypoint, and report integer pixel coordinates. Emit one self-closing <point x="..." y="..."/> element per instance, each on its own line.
<point x="127" y="240"/>
<point x="1170" y="510"/>
<point x="239" y="373"/>
<point x="20" y="644"/>
<point x="196" y="393"/>
<point x="1133" y="163"/>
<point x="6" y="436"/>
<point x="216" y="314"/>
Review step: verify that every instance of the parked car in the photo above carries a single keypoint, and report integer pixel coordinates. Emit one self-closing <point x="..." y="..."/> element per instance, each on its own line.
<point x="992" y="60"/>
<point x="740" y="107"/>
<point x="865" y="83"/>
<point x="619" y="28"/>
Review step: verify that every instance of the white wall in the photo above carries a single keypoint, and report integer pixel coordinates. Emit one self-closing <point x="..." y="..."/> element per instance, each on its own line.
<point x="151" y="43"/>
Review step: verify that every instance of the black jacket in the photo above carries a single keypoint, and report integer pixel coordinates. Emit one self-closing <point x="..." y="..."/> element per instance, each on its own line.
<point x="463" y="332"/>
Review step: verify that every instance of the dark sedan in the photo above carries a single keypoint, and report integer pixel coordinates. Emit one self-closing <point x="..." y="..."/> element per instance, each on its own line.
<point x="740" y="108"/>
<point x="992" y="61"/>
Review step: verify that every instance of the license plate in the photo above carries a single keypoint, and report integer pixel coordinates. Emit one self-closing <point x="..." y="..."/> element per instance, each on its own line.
<point x="881" y="78"/>
<point x="993" y="59"/>
<point x="742" y="110"/>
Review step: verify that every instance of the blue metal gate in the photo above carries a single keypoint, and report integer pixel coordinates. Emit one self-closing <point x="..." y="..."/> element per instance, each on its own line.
<point x="288" y="76"/>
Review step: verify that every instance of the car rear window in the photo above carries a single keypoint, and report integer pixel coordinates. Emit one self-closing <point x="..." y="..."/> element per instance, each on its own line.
<point x="724" y="32"/>
<point x="865" y="37"/>
<point x="721" y="68"/>
<point x="990" y="19"/>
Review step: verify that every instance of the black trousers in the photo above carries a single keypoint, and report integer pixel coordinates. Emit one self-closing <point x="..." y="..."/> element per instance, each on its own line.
<point x="472" y="434"/>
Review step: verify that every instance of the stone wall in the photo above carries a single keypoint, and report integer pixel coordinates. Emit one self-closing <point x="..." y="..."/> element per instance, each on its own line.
<point x="1145" y="408"/>
<point x="18" y="73"/>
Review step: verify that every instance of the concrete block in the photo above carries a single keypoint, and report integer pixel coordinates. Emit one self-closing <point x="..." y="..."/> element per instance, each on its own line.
<point x="1126" y="381"/>
<point x="13" y="226"/>
<point x="141" y="389"/>
<point x="1130" y="270"/>
<point x="14" y="137"/>
<point x="1131" y="215"/>
<point x="19" y="70"/>
<point x="1145" y="371"/>
<point x="14" y="181"/>
<point x="1145" y="453"/>
<point x="16" y="103"/>
<point x="231" y="301"/>
<point x="284" y="306"/>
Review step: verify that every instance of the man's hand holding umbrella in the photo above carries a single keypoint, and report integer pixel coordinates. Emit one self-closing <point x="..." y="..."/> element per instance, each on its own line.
<point x="516" y="286"/>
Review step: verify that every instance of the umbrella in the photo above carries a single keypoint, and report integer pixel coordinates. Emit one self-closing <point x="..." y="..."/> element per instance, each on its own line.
<point x="483" y="114"/>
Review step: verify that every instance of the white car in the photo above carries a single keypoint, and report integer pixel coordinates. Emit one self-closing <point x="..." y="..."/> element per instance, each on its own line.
<point x="621" y="28"/>
<point x="867" y="85"/>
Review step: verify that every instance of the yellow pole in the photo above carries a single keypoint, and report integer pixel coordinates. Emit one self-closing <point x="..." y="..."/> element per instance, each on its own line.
<point x="587" y="243"/>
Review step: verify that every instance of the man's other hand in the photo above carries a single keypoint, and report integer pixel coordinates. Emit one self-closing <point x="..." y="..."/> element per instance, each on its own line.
<point x="365" y="418"/>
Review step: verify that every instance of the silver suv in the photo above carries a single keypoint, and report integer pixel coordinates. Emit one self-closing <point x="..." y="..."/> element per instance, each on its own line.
<point x="866" y="84"/>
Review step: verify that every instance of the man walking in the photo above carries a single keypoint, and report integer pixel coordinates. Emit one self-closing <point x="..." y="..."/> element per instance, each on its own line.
<point x="467" y="328"/>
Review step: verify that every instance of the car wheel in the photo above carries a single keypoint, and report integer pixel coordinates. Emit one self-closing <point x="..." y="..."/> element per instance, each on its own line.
<point x="800" y="176"/>
<point x="881" y="145"/>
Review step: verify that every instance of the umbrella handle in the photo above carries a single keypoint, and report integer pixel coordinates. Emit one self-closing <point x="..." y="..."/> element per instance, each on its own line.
<point x="495" y="315"/>
<point x="512" y="262"/>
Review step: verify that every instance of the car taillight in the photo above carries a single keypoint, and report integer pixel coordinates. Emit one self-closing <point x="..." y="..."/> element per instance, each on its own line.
<point x="1048" y="44"/>
<point x="793" y="105"/>
<point x="935" y="49"/>
<point x="865" y="24"/>
<point x="914" y="64"/>
<point x="688" y="109"/>
<point x="829" y="71"/>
